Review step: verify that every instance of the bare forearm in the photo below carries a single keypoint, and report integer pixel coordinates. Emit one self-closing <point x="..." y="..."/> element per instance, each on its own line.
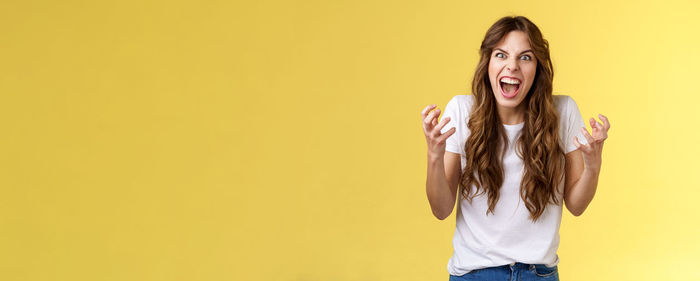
<point x="439" y="195"/>
<point x="582" y="192"/>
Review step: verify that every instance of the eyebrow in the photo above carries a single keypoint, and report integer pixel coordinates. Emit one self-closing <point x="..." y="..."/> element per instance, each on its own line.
<point x="520" y="52"/>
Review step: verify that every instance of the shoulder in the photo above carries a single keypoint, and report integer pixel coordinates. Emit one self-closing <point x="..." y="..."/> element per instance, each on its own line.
<point x="565" y="104"/>
<point x="462" y="103"/>
<point x="562" y="101"/>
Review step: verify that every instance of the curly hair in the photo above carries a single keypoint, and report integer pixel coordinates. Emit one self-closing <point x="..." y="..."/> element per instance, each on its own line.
<point x="538" y="144"/>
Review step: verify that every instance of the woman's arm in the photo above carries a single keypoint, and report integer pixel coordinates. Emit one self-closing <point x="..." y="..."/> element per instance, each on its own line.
<point x="441" y="183"/>
<point x="583" y="167"/>
<point x="443" y="167"/>
<point x="580" y="185"/>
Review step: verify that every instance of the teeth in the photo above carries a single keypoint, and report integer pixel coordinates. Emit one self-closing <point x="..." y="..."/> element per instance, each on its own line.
<point x="510" y="81"/>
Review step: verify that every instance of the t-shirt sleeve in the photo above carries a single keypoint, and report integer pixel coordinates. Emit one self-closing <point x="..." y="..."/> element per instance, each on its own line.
<point x="454" y="142"/>
<point x="574" y="124"/>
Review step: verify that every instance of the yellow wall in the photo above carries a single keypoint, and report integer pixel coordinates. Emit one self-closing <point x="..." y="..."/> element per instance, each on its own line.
<point x="281" y="140"/>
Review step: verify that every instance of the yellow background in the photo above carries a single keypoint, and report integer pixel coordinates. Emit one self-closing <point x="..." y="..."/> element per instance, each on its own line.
<point x="281" y="140"/>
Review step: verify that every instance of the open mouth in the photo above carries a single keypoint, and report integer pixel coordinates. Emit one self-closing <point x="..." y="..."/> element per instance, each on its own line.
<point x="509" y="86"/>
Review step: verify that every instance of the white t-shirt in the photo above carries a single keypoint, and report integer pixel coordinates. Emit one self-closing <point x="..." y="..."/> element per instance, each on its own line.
<point x="508" y="235"/>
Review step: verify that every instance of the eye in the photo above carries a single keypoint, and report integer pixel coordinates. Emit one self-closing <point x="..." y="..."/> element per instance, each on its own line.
<point x="500" y="55"/>
<point x="525" y="57"/>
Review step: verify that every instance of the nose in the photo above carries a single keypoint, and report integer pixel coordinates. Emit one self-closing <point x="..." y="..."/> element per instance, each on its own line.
<point x="512" y="65"/>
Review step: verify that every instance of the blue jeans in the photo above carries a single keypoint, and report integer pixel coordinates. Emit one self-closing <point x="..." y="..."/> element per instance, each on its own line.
<point x="511" y="272"/>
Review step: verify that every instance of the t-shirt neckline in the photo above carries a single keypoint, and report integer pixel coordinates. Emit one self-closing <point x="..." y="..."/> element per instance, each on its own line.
<point x="514" y="126"/>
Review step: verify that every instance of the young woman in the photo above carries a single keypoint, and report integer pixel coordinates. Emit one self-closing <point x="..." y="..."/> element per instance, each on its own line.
<point x="511" y="151"/>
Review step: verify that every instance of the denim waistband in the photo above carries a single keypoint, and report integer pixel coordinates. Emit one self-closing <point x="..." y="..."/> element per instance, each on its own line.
<point x="518" y="265"/>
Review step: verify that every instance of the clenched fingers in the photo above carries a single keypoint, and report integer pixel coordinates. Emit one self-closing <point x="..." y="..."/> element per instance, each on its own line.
<point x="583" y="148"/>
<point x="447" y="134"/>
<point x="426" y="110"/>
<point x="428" y="121"/>
<point x="436" y="131"/>
<point x="595" y="124"/>
<point x="606" y="122"/>
<point x="588" y="136"/>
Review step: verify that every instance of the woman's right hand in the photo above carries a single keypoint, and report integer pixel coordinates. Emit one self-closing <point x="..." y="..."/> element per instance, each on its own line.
<point x="431" y="129"/>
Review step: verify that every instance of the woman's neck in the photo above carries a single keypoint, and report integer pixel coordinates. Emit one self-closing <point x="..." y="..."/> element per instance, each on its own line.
<point x="511" y="116"/>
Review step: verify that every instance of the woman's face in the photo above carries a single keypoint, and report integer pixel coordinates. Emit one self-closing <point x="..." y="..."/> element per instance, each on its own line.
<point x="512" y="68"/>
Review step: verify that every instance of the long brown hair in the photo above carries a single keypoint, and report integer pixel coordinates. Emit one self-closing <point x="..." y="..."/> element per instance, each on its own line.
<point x="538" y="144"/>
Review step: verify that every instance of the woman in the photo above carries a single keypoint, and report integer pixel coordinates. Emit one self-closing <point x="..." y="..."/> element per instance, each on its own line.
<point x="512" y="151"/>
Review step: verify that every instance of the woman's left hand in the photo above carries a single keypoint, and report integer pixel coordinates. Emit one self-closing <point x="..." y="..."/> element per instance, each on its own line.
<point x="594" y="149"/>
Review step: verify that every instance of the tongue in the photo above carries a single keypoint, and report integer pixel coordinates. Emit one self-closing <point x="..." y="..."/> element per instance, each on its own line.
<point x="509" y="89"/>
